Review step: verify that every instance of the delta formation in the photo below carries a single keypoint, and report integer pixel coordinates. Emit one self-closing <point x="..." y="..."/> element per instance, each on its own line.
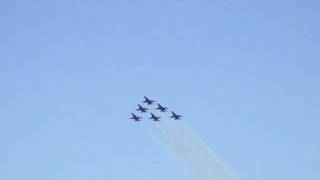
<point x="149" y="102"/>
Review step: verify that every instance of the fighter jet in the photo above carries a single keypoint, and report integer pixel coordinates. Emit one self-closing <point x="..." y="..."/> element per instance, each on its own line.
<point x="142" y="109"/>
<point x="161" y="108"/>
<point x="135" y="118"/>
<point x="148" y="101"/>
<point x="154" y="117"/>
<point x="175" y="116"/>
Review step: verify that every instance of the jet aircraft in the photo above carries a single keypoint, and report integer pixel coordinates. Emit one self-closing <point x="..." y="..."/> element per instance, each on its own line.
<point x="135" y="118"/>
<point x="148" y="101"/>
<point x="154" y="117"/>
<point x="142" y="109"/>
<point x="175" y="116"/>
<point x="161" y="108"/>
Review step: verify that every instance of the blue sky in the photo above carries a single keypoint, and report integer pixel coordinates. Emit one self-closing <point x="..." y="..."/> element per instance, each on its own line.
<point x="245" y="75"/>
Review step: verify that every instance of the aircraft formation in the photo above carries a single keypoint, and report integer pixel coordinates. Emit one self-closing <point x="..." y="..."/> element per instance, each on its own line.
<point x="149" y="102"/>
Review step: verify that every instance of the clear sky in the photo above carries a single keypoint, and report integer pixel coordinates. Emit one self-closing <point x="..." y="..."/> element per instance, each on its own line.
<point x="245" y="75"/>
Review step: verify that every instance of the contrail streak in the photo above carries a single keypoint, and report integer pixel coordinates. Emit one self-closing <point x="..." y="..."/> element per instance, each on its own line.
<point x="209" y="155"/>
<point x="197" y="156"/>
<point x="199" y="165"/>
<point x="182" y="153"/>
<point x="151" y="131"/>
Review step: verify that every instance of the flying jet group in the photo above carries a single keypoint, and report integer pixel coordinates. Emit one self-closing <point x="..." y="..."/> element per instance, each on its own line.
<point x="150" y="102"/>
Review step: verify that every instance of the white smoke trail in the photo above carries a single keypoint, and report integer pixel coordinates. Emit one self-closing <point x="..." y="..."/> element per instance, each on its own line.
<point x="182" y="152"/>
<point x="220" y="168"/>
<point x="202" y="162"/>
<point x="208" y="153"/>
<point x="151" y="131"/>
<point x="200" y="165"/>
